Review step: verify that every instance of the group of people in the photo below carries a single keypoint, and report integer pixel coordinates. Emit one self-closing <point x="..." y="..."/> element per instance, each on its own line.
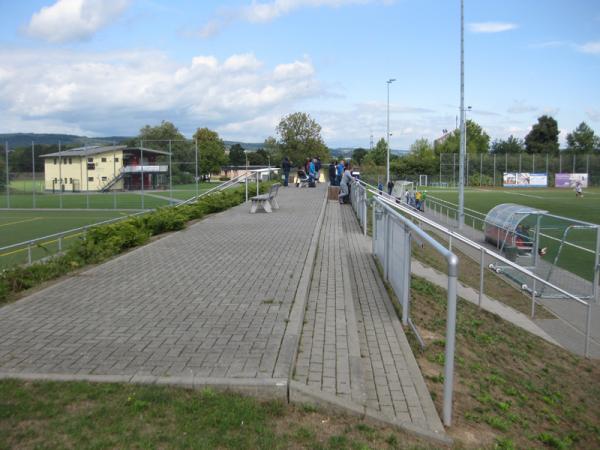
<point x="416" y="199"/>
<point x="311" y="170"/>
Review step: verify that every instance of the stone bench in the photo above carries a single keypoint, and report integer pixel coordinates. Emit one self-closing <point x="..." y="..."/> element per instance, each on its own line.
<point x="267" y="201"/>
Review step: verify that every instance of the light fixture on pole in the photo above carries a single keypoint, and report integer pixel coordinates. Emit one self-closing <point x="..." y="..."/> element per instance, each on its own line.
<point x="387" y="177"/>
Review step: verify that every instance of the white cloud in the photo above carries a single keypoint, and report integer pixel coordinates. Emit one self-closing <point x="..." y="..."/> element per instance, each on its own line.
<point x="117" y="93"/>
<point x="593" y="114"/>
<point x="590" y="47"/>
<point x="267" y="11"/>
<point x="74" y="20"/>
<point x="491" y="27"/>
<point x="520" y="107"/>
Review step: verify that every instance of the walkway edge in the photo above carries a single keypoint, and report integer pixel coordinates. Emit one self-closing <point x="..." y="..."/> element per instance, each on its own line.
<point x="263" y="388"/>
<point x="291" y="338"/>
<point x="302" y="394"/>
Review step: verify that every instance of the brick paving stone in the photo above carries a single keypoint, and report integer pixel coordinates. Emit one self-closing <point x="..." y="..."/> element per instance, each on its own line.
<point x="211" y="300"/>
<point x="395" y="385"/>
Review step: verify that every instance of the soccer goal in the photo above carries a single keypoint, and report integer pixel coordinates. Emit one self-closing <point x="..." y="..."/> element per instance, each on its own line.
<point x="401" y="187"/>
<point x="423" y="180"/>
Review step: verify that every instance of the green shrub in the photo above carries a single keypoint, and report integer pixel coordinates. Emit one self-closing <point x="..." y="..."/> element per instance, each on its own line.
<point x="163" y="220"/>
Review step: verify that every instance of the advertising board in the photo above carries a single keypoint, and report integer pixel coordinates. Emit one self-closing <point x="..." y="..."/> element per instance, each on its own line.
<point x="525" y="179"/>
<point x="569" y="180"/>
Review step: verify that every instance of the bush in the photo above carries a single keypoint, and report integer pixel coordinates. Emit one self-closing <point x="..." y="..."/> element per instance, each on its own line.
<point x="224" y="178"/>
<point x="163" y="220"/>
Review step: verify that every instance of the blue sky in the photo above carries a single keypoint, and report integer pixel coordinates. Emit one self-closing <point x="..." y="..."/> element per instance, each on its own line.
<point x="109" y="67"/>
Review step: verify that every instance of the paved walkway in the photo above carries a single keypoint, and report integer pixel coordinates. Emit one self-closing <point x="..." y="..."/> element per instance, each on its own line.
<point x="209" y="301"/>
<point x="287" y="304"/>
<point x="352" y="344"/>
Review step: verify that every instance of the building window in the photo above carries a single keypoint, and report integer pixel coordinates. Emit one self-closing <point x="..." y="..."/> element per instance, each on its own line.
<point x="65" y="180"/>
<point x="103" y="159"/>
<point x="90" y="178"/>
<point x="91" y="160"/>
<point x="103" y="178"/>
<point x="116" y="159"/>
<point x="54" y="161"/>
<point x="70" y="180"/>
<point x="55" y="180"/>
<point x="91" y="166"/>
<point x="70" y="161"/>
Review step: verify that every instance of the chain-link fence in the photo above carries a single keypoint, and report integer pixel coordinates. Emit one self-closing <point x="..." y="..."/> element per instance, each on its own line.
<point x="488" y="169"/>
<point x="101" y="175"/>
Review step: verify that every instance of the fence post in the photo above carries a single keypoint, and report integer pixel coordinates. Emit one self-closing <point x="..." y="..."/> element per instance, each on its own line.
<point x="7" y="176"/>
<point x="450" y="341"/>
<point x="142" y="166"/>
<point x="29" y="253"/>
<point x="406" y="276"/>
<point x="170" y="174"/>
<point x="60" y="180"/>
<point x="257" y="184"/>
<point x="533" y="163"/>
<point x="533" y="299"/>
<point x="33" y="173"/>
<point x="559" y="163"/>
<point x="196" y="164"/>
<point x="494" y="170"/>
<point x="588" y="323"/>
<point x="60" y="239"/>
<point x="365" y="211"/>
<point x="481" y="270"/>
<point x="480" y="168"/>
<point x="387" y="245"/>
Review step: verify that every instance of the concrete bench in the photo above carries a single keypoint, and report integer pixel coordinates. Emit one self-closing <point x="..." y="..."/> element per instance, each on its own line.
<point x="267" y="201"/>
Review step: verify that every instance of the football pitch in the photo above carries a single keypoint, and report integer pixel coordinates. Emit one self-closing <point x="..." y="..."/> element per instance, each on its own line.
<point x="578" y="255"/>
<point x="561" y="202"/>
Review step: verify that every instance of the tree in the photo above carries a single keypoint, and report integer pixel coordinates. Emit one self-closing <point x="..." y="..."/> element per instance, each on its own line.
<point x="237" y="156"/>
<point x="420" y="160"/>
<point x="358" y="154"/>
<point x="543" y="137"/>
<point x="258" y="158"/>
<point x="582" y="139"/>
<point x="510" y="145"/>
<point x="478" y="141"/>
<point x="167" y="137"/>
<point x="300" y="138"/>
<point x="211" y="150"/>
<point x="378" y="156"/>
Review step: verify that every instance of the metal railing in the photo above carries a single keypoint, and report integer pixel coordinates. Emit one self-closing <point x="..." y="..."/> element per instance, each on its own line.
<point x="483" y="251"/>
<point x="57" y="239"/>
<point x="393" y="234"/>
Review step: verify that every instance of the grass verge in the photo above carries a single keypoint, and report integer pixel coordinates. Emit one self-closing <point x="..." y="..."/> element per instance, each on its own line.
<point x="512" y="389"/>
<point x="88" y="415"/>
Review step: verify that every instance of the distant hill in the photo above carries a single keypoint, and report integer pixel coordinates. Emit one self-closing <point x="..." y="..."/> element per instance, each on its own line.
<point x="251" y="146"/>
<point x="16" y="140"/>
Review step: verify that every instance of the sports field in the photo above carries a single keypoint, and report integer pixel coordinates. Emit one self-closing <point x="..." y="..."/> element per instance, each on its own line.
<point x="22" y="196"/>
<point x="577" y="255"/>
<point x="78" y="210"/>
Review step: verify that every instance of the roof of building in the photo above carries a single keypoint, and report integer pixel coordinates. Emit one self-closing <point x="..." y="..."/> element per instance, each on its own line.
<point x="97" y="149"/>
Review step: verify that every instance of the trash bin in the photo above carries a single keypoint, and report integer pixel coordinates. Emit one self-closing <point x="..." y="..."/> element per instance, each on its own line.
<point x="511" y="253"/>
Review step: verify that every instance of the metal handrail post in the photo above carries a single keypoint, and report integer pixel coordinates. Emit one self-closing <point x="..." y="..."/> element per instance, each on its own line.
<point x="450" y="339"/>
<point x="387" y="247"/>
<point x="595" y="288"/>
<point x="406" y="276"/>
<point x="481" y="265"/>
<point x="588" y="327"/>
<point x="257" y="186"/>
<point x="533" y="299"/>
<point x="365" y="211"/>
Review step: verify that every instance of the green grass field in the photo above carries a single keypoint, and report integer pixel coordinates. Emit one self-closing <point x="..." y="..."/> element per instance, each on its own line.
<point x="22" y="225"/>
<point x="22" y="196"/>
<point x="561" y="202"/>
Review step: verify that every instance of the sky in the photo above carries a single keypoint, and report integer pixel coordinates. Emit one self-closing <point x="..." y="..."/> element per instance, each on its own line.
<point x="109" y="67"/>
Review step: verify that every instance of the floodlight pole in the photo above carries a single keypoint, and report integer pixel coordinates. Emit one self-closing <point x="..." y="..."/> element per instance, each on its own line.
<point x="387" y="177"/>
<point x="33" y="173"/>
<point x="463" y="141"/>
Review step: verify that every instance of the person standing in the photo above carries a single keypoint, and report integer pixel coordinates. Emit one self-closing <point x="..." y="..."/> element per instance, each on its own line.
<point x="286" y="166"/>
<point x="332" y="173"/>
<point x="311" y="170"/>
<point x="578" y="190"/>
<point x="345" y="184"/>
<point x="340" y="171"/>
<point x="390" y="187"/>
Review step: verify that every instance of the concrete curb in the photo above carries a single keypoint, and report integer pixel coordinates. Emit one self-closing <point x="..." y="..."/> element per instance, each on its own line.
<point x="289" y="345"/>
<point x="263" y="389"/>
<point x="301" y="394"/>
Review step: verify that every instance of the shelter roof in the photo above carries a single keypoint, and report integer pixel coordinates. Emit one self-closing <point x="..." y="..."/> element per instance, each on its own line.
<point x="509" y="215"/>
